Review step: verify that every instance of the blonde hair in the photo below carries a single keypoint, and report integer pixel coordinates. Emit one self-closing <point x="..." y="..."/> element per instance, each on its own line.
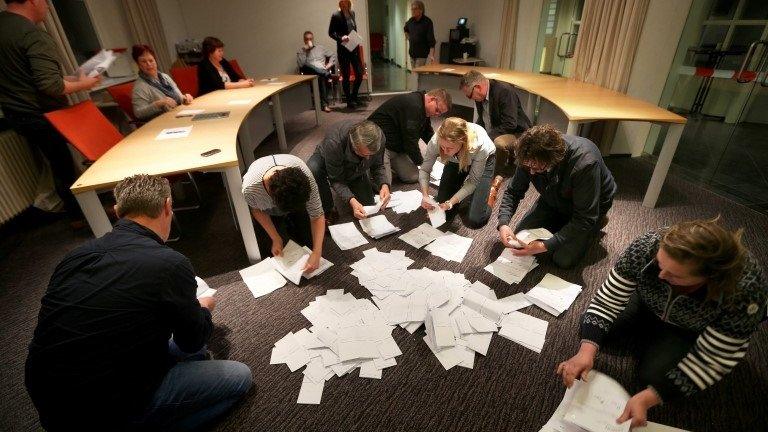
<point x="141" y="195"/>
<point x="716" y="253"/>
<point x="456" y="130"/>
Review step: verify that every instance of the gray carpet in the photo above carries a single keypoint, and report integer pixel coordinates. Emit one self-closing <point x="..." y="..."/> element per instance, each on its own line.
<point x="512" y="388"/>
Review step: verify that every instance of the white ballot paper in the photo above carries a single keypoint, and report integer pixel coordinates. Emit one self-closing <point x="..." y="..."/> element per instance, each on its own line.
<point x="436" y="215"/>
<point x="526" y="330"/>
<point x="372" y="209"/>
<point x="97" y="64"/>
<point x="437" y="172"/>
<point x="451" y="247"/>
<point x="203" y="290"/>
<point x="292" y="261"/>
<point x="189" y="112"/>
<point x="262" y="278"/>
<point x="347" y="236"/>
<point x="404" y="202"/>
<point x="553" y="294"/>
<point x="421" y="236"/>
<point x="597" y="403"/>
<point x="378" y="226"/>
<point x="172" y="133"/>
<point x="354" y="40"/>
<point x="510" y="268"/>
<point x="529" y="235"/>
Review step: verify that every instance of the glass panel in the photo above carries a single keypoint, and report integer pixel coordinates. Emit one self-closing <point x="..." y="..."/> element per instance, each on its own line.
<point x="755" y="10"/>
<point x="742" y="37"/>
<point x="723" y="9"/>
<point x="712" y="36"/>
<point x="579" y="8"/>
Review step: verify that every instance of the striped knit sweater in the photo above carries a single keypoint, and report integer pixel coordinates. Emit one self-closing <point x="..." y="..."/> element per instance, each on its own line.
<point x="723" y="326"/>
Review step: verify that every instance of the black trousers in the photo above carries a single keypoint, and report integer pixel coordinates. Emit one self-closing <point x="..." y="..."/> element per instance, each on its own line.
<point x="542" y="215"/>
<point x="322" y="81"/>
<point x="292" y="226"/>
<point x="361" y="187"/>
<point x="347" y="58"/>
<point x="40" y="134"/>
<point x="474" y="208"/>
<point x="658" y="346"/>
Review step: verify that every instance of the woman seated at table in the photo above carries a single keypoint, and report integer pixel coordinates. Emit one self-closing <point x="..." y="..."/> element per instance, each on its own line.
<point x="285" y="201"/>
<point x="469" y="157"/>
<point x="153" y="92"/>
<point x="688" y="297"/>
<point x="215" y="72"/>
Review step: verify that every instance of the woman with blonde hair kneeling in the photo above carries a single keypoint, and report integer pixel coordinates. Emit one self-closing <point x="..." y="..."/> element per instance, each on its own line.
<point x="469" y="157"/>
<point x="689" y="296"/>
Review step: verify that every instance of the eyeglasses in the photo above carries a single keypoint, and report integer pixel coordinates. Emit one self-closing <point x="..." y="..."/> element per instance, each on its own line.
<point x="535" y="166"/>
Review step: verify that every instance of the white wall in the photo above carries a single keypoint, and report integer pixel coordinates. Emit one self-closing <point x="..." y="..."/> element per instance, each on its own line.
<point x="488" y="30"/>
<point x="265" y="36"/>
<point x="445" y="13"/>
<point x="110" y="22"/>
<point x="663" y="26"/>
<point x="173" y="24"/>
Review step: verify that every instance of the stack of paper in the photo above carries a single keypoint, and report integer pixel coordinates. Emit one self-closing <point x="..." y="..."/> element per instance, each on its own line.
<point x="529" y="235"/>
<point x="203" y="290"/>
<point x="404" y="201"/>
<point x="98" y="64"/>
<point x="437" y="214"/>
<point x="593" y="404"/>
<point x="510" y="268"/>
<point x="378" y="226"/>
<point x="437" y="172"/>
<point x="553" y="294"/>
<point x="451" y="247"/>
<point x="291" y="262"/>
<point x="422" y="235"/>
<point x="526" y="330"/>
<point x="346" y="333"/>
<point x="262" y="278"/>
<point x="372" y="209"/>
<point x="347" y="236"/>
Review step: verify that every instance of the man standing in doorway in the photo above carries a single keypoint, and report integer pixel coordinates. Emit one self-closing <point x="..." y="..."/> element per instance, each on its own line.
<point x="421" y="36"/>
<point x="31" y="84"/>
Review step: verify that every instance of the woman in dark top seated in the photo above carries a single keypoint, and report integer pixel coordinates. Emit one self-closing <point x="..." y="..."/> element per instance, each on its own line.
<point x="215" y="72"/>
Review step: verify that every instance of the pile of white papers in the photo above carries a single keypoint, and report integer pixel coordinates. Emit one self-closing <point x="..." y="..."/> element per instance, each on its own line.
<point x="291" y="262"/>
<point x="594" y="404"/>
<point x="437" y="172"/>
<point x="262" y="278"/>
<point x="526" y="330"/>
<point x="553" y="294"/>
<point x="203" y="290"/>
<point x="372" y="209"/>
<point x="404" y="201"/>
<point x="422" y="235"/>
<point x="529" y="235"/>
<point x="378" y="226"/>
<point x="98" y="64"/>
<point x="510" y="268"/>
<point x="347" y="236"/>
<point x="346" y="333"/>
<point x="451" y="247"/>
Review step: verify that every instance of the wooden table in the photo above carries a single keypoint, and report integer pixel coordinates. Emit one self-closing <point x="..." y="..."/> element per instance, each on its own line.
<point x="141" y="152"/>
<point x="582" y="103"/>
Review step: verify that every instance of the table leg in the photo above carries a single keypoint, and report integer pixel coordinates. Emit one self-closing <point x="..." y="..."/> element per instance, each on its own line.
<point x="277" y="112"/>
<point x="94" y="212"/>
<point x="662" y="164"/>
<point x="316" y="95"/>
<point x="235" y="186"/>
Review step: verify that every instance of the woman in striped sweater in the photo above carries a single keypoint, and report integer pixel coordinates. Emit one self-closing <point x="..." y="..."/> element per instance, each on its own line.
<point x="692" y="295"/>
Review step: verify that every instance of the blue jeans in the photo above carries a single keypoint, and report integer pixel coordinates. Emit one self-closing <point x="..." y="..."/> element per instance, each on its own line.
<point x="195" y="392"/>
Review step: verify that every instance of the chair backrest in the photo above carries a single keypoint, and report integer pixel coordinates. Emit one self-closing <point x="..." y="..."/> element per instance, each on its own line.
<point x="186" y="79"/>
<point x="123" y="95"/>
<point x="236" y="66"/>
<point x="86" y="128"/>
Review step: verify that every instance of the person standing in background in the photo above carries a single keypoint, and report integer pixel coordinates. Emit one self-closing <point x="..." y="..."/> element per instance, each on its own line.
<point x="421" y="36"/>
<point x="32" y="84"/>
<point x="342" y="24"/>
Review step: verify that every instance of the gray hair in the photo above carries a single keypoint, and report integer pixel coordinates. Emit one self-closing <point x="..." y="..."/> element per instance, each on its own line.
<point x="419" y="4"/>
<point x="443" y="96"/>
<point x="471" y="79"/>
<point x="366" y="134"/>
<point x="141" y="195"/>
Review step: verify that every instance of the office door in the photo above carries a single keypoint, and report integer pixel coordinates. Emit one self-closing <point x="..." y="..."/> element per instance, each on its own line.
<point x="558" y="30"/>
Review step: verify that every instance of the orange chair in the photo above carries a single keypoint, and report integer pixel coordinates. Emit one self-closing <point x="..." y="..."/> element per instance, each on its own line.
<point x="98" y="137"/>
<point x="236" y="66"/>
<point x="186" y="79"/>
<point x="122" y="94"/>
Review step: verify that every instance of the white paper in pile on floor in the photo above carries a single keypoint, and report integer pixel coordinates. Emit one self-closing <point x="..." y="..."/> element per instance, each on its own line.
<point x="378" y="226"/>
<point x="510" y="268"/>
<point x="262" y="278"/>
<point x="553" y="294"/>
<point x="422" y="235"/>
<point x="292" y="261"/>
<point x="346" y="333"/>
<point x="526" y="330"/>
<point x="450" y="247"/>
<point x="347" y="236"/>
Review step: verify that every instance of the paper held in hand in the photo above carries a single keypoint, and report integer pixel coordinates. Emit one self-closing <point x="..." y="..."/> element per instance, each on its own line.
<point x="354" y="41"/>
<point x="98" y="64"/>
<point x="291" y="263"/>
<point x="203" y="290"/>
<point x="529" y="235"/>
<point x="437" y="214"/>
